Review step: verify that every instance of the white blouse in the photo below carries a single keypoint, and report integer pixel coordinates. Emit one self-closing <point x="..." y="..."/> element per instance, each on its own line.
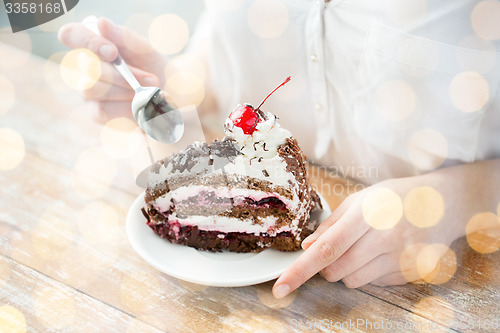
<point x="380" y="89"/>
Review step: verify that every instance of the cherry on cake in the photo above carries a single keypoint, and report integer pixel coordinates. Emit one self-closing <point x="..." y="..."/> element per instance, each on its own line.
<point x="245" y="193"/>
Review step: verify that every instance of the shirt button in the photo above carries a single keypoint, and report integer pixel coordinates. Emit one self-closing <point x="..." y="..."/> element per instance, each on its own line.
<point x="318" y="107"/>
<point x="314" y="57"/>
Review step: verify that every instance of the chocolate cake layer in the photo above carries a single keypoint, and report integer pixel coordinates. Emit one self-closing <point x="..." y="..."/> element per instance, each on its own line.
<point x="216" y="241"/>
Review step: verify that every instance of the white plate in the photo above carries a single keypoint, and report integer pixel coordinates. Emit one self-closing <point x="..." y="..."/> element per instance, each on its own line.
<point x="221" y="269"/>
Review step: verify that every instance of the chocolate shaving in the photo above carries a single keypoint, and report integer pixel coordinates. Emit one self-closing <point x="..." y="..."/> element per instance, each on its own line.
<point x="211" y="161"/>
<point x="260" y="159"/>
<point x="264" y="147"/>
<point x="188" y="158"/>
<point x="254" y="125"/>
<point x="144" y="213"/>
<point x="261" y="114"/>
<point x="227" y="128"/>
<point x="266" y="174"/>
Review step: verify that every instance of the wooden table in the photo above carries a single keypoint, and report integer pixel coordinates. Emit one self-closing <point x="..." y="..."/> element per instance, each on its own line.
<point x="66" y="264"/>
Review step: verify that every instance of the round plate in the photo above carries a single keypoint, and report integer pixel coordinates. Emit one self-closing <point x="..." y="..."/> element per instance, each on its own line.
<point x="221" y="269"/>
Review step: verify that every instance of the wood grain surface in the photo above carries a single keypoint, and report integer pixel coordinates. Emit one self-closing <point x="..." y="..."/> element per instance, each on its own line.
<point x="66" y="264"/>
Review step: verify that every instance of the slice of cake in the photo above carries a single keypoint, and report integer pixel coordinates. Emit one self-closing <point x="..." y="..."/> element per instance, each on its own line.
<point x="245" y="193"/>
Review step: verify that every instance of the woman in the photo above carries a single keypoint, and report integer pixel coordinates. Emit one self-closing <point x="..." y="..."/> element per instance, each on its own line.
<point x="400" y="95"/>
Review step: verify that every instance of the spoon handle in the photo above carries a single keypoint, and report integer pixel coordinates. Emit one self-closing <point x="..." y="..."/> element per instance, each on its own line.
<point x="90" y="23"/>
<point x="124" y="70"/>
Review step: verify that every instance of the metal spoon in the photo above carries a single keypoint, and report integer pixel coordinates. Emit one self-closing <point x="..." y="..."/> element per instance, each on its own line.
<point x="155" y="116"/>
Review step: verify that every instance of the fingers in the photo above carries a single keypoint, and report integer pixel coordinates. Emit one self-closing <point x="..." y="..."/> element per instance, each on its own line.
<point x="76" y="35"/>
<point x="326" y="249"/>
<point x="131" y="46"/>
<point x="334" y="217"/>
<point x="363" y="252"/>
<point x="378" y="267"/>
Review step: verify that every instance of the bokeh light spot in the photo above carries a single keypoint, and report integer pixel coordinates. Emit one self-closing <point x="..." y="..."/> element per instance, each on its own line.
<point x="382" y="208"/>
<point x="7" y="95"/>
<point x="185" y="83"/>
<point x="427" y="149"/>
<point x="445" y="267"/>
<point x="168" y="34"/>
<point x="80" y="69"/>
<point x="93" y="173"/>
<point x="55" y="309"/>
<point x="186" y="79"/>
<point x="12" y="149"/>
<point x="483" y="232"/>
<point x="268" y="18"/>
<point x="11" y="320"/>
<point x="485" y="19"/>
<point x="395" y="100"/>
<point x="115" y="136"/>
<point x="428" y="259"/>
<point x="424" y="206"/>
<point x="469" y="91"/>
<point x="98" y="223"/>
<point x="186" y="88"/>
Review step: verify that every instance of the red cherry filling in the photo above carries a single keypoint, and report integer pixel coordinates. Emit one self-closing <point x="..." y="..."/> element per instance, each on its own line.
<point x="245" y="117"/>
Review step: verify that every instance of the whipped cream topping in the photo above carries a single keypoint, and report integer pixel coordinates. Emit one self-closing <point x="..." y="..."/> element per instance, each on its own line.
<point x="238" y="195"/>
<point x="258" y="155"/>
<point x="264" y="141"/>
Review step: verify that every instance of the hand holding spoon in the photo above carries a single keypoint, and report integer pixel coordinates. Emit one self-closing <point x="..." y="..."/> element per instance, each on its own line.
<point x="154" y="115"/>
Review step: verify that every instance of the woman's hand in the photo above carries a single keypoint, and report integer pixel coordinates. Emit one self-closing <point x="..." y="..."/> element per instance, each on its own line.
<point x="395" y="231"/>
<point x="112" y="92"/>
